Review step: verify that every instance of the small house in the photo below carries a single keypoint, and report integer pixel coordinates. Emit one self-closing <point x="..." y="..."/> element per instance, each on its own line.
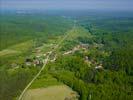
<point x="28" y="62"/>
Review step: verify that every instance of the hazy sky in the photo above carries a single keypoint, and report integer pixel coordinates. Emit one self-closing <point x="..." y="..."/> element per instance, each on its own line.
<point x="67" y="4"/>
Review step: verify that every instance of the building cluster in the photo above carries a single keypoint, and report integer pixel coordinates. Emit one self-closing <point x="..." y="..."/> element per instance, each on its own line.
<point x="78" y="47"/>
<point x="34" y="62"/>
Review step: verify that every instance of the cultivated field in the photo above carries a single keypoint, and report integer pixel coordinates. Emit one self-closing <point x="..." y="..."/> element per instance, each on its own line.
<point x="61" y="92"/>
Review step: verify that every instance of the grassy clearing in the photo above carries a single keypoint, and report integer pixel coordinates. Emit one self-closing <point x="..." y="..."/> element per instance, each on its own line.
<point x="50" y="93"/>
<point x="17" y="49"/>
<point x="45" y="81"/>
<point x="8" y="52"/>
<point x="24" y="46"/>
<point x="78" y="32"/>
<point x="15" y="54"/>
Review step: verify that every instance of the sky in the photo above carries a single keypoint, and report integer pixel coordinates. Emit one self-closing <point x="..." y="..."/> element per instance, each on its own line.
<point x="67" y="4"/>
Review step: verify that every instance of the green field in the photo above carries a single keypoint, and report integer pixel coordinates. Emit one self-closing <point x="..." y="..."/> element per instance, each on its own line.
<point x="50" y="93"/>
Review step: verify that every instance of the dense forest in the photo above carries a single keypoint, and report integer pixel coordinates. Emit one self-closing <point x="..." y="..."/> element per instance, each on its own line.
<point x="17" y="28"/>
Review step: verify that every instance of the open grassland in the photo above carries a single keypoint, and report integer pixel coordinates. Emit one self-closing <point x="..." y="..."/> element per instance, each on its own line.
<point x="17" y="49"/>
<point x="77" y="32"/>
<point x="15" y="54"/>
<point x="45" y="80"/>
<point x="8" y="52"/>
<point x="60" y="92"/>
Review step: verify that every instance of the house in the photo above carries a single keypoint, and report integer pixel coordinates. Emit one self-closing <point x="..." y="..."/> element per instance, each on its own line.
<point x="86" y="58"/>
<point x="44" y="55"/>
<point x="85" y="46"/>
<point x="33" y="61"/>
<point x="55" y="57"/>
<point x="99" y="67"/>
<point x="14" y="65"/>
<point x="66" y="53"/>
<point x="28" y="62"/>
<point x="37" y="50"/>
<point x="37" y="62"/>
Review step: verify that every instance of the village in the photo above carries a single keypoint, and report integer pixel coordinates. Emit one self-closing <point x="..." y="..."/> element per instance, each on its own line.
<point x="39" y="58"/>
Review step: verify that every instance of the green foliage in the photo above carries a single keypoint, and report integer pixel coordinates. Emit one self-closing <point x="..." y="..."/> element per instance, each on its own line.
<point x="14" y="28"/>
<point x="45" y="80"/>
<point x="73" y="82"/>
<point x="110" y="43"/>
<point x="114" y="82"/>
<point x="68" y="45"/>
<point x="19" y="36"/>
<point x="12" y="82"/>
<point x="121" y="59"/>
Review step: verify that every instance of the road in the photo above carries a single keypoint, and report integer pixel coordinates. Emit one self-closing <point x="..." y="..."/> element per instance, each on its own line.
<point x="45" y="63"/>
